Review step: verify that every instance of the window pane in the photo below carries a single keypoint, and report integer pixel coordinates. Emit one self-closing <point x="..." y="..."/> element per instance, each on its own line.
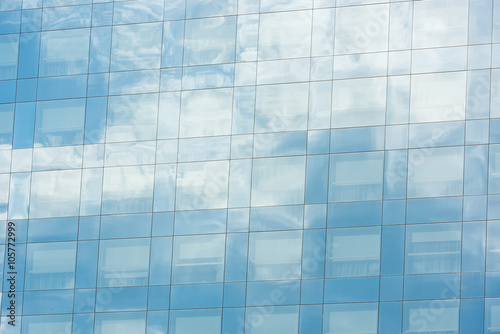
<point x="356" y="176"/>
<point x="349" y="110"/>
<point x="438" y="97"/>
<point x="132" y="117"/>
<point x="416" y="317"/>
<point x="136" y="46"/>
<point x="440" y="23"/>
<point x="195" y="321"/>
<point x="123" y="262"/>
<point x="351" y="318"/>
<point x="283" y="319"/>
<point x="433" y="248"/>
<point x="275" y="255"/>
<point x="285" y="35"/>
<point x="281" y="108"/>
<point x="120" y="323"/>
<point x="206" y="112"/>
<point x="210" y="41"/>
<point x="278" y="181"/>
<point x="9" y="44"/>
<point x="362" y="29"/>
<point x="60" y="122"/>
<point x="50" y="266"/>
<point x="64" y="52"/>
<point x="46" y="324"/>
<point x="55" y="194"/>
<point x="128" y="189"/>
<point x="198" y="259"/>
<point x="435" y="172"/>
<point x="202" y="185"/>
<point x="353" y="252"/>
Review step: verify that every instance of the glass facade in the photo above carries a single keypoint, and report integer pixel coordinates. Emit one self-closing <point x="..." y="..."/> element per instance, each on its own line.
<point x="250" y="166"/>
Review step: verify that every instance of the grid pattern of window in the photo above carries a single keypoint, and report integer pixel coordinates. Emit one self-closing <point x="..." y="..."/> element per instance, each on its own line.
<point x="251" y="166"/>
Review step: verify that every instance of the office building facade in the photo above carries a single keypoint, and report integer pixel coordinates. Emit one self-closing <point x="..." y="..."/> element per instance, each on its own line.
<point x="250" y="167"/>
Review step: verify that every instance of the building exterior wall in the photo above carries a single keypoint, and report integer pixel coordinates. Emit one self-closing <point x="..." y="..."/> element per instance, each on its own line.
<point x="246" y="166"/>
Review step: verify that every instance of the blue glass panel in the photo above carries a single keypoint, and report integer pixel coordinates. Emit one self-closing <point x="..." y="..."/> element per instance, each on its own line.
<point x="10" y="22"/>
<point x="83" y="323"/>
<point x="136" y="46"/>
<point x="125" y="226"/>
<point x="354" y="214"/>
<point x="491" y="314"/>
<point x="313" y="255"/>
<point x="195" y="321"/>
<point x="6" y="125"/>
<point x="95" y="120"/>
<point x="59" y="122"/>
<point x="392" y="250"/>
<point x="492" y="260"/>
<point x="283" y="318"/>
<point x="433" y="248"/>
<point x="234" y="294"/>
<point x="342" y="318"/>
<point x="233" y="320"/>
<point x="102" y="14"/>
<point x="480" y="27"/>
<point x="357" y="139"/>
<point x="50" y="266"/>
<point x="48" y="302"/>
<point x="31" y="20"/>
<point x="471" y="315"/>
<point x="312" y="291"/>
<point x="86" y="269"/>
<point x="163" y="223"/>
<point x="58" y="229"/>
<point x="84" y="301"/>
<point x="29" y="49"/>
<point x="64" y="52"/>
<point x="122" y="299"/>
<point x="476" y="175"/>
<point x="134" y="82"/>
<point x="433" y="210"/>
<point x="160" y="261"/>
<point x="211" y="76"/>
<point x="349" y="290"/>
<point x="472" y="285"/>
<point x="391" y="288"/>
<point x="475" y="207"/>
<point x="159" y="297"/>
<point x="196" y="296"/>
<point x="473" y="246"/>
<point x="243" y="110"/>
<point x="310" y="319"/>
<point x="26" y="90"/>
<point x="236" y="257"/>
<point x="317" y="179"/>
<point x="138" y="11"/>
<point x="395" y="174"/>
<point x="273" y="293"/>
<point x="100" y="49"/>
<point x="120" y="323"/>
<point x="173" y="41"/>
<point x="222" y="48"/>
<point x="493" y="207"/>
<point x="157" y="322"/>
<point x="431" y="316"/>
<point x="394" y="212"/>
<point x="279" y="144"/>
<point x="432" y="286"/>
<point x="66" y="17"/>
<point x="276" y="218"/>
<point x="478" y="94"/>
<point x="238" y="220"/>
<point x="62" y="87"/>
<point x="8" y="58"/>
<point x="315" y="216"/>
<point x="8" y="89"/>
<point x="53" y="323"/>
<point x="197" y="222"/>
<point x="97" y="84"/>
<point x="20" y="184"/>
<point x="390" y="317"/>
<point x="356" y="176"/>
